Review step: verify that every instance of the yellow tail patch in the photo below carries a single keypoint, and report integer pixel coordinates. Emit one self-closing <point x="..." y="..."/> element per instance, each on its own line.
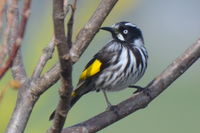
<point x="91" y="70"/>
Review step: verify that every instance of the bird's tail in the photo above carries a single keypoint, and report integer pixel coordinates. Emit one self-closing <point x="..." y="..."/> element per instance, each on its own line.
<point x="76" y="95"/>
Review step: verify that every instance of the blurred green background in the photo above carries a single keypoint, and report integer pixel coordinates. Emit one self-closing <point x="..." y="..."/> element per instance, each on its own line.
<point x="169" y="27"/>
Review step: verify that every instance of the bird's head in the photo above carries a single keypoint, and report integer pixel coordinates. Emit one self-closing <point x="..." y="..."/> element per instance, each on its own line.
<point x="125" y="32"/>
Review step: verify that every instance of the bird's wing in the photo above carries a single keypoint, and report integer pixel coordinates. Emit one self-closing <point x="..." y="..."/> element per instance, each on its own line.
<point x="94" y="67"/>
<point x="99" y="62"/>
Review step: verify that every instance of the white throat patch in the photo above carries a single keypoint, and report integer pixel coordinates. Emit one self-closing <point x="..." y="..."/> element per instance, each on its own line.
<point x="138" y="42"/>
<point x="120" y="37"/>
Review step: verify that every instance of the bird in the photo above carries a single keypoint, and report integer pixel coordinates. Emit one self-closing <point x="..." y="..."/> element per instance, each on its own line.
<point x="118" y="65"/>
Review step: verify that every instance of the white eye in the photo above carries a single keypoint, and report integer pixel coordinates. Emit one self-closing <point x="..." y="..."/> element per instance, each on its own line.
<point x="125" y="31"/>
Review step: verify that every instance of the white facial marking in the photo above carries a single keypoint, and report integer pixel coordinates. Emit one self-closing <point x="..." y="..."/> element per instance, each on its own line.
<point x="120" y="37"/>
<point x="138" y="42"/>
<point x="125" y="31"/>
<point x="130" y="24"/>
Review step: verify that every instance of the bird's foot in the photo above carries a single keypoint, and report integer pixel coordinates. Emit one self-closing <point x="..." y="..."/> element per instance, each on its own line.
<point x="147" y="92"/>
<point x="113" y="108"/>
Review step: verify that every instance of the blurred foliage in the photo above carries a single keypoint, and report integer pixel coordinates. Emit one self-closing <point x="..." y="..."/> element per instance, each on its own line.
<point x="169" y="27"/>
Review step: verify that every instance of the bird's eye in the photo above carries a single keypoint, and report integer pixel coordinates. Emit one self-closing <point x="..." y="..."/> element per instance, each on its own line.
<point x="125" y="31"/>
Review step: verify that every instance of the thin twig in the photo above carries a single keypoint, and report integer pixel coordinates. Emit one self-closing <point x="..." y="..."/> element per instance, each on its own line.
<point x="142" y="99"/>
<point x="17" y="69"/>
<point x="47" y="54"/>
<point x="66" y="7"/>
<point x="46" y="81"/>
<point x="71" y="23"/>
<point x="16" y="45"/>
<point x="10" y="14"/>
<point x="65" y="65"/>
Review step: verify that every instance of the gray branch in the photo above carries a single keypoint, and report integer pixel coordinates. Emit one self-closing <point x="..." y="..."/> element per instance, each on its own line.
<point x="18" y="69"/>
<point x="65" y="65"/>
<point x="142" y="99"/>
<point x="47" y="55"/>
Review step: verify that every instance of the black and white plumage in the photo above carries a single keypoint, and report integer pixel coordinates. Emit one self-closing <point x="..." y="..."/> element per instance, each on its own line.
<point x="123" y="62"/>
<point x="118" y="65"/>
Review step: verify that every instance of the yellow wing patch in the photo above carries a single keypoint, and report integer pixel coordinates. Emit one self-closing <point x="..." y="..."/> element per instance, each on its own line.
<point x="91" y="70"/>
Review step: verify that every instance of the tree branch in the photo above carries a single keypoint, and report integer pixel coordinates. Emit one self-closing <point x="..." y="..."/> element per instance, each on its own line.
<point x="46" y="80"/>
<point x="142" y="99"/>
<point x="17" y="69"/>
<point x="65" y="65"/>
<point x="26" y="102"/>
<point x="71" y="23"/>
<point x="19" y="39"/>
<point x="47" y="54"/>
<point x="10" y="14"/>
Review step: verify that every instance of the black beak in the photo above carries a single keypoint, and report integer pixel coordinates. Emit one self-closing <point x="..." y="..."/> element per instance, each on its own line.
<point x="110" y="29"/>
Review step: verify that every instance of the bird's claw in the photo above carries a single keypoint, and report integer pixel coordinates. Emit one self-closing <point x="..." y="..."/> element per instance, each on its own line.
<point x="113" y="108"/>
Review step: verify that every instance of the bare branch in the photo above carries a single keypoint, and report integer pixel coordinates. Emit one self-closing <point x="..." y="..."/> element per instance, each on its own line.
<point x="142" y="99"/>
<point x="26" y="102"/>
<point x="19" y="39"/>
<point x="11" y="14"/>
<point x="10" y="36"/>
<point x="22" y="111"/>
<point x="9" y="17"/>
<point x="18" y="70"/>
<point x="46" y="81"/>
<point x="88" y="32"/>
<point x="65" y="65"/>
<point x="47" y="54"/>
<point x="70" y="24"/>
